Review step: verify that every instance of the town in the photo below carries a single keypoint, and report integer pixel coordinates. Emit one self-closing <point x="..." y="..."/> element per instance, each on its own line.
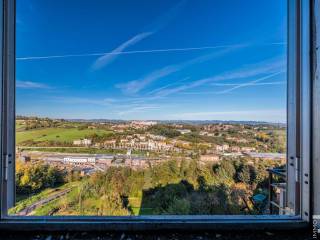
<point x="136" y="146"/>
<point x="104" y="167"/>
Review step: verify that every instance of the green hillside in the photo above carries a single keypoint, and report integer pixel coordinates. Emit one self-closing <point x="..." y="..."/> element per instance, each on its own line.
<point x="57" y="134"/>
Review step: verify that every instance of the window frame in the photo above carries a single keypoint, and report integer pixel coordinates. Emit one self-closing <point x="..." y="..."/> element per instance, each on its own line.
<point x="298" y="152"/>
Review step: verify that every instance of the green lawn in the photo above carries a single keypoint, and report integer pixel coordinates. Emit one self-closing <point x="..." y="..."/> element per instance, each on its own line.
<point x="135" y="205"/>
<point x="57" y="134"/>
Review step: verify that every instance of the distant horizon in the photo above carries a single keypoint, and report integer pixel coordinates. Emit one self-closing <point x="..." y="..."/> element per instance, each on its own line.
<point x="150" y="120"/>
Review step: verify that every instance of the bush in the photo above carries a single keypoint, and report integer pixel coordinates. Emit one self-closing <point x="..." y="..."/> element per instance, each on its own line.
<point x="33" y="177"/>
<point x="165" y="131"/>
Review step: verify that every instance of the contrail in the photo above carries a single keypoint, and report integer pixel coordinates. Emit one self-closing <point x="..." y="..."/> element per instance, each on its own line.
<point x="241" y="85"/>
<point x="123" y="53"/>
<point x="133" y="52"/>
<point x="153" y="28"/>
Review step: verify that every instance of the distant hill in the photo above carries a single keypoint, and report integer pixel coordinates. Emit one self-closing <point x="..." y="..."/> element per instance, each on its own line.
<point x="191" y="122"/>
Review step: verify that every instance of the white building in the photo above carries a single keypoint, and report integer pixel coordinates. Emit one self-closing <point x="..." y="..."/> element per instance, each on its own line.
<point x="209" y="158"/>
<point x="143" y="123"/>
<point x="83" y="142"/>
<point x="203" y="133"/>
<point x="222" y="148"/>
<point x="248" y="149"/>
<point x="184" y="131"/>
<point x="157" y="137"/>
<point x="79" y="160"/>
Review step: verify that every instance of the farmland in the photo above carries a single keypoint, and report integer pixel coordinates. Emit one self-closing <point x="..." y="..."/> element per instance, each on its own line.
<point x="57" y="134"/>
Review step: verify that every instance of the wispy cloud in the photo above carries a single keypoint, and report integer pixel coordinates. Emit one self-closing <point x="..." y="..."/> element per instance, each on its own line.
<point x="264" y="67"/>
<point x="251" y="83"/>
<point x="120" y="107"/>
<point x="154" y="27"/>
<point x="233" y="85"/>
<point x="164" y="19"/>
<point x="81" y="100"/>
<point x="109" y="57"/>
<point x="253" y="70"/>
<point x="175" y="83"/>
<point x="272" y="115"/>
<point x="138" y="109"/>
<point x="135" y="86"/>
<point x="31" y="85"/>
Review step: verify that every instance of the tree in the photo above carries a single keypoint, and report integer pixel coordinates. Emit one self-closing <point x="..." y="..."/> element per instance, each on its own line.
<point x="244" y="174"/>
<point x="35" y="176"/>
<point x="179" y="206"/>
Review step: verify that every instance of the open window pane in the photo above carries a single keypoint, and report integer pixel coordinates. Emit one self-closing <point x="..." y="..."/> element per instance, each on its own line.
<point x="151" y="107"/>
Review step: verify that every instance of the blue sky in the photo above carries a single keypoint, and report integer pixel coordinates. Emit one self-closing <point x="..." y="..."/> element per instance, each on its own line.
<point x="160" y="59"/>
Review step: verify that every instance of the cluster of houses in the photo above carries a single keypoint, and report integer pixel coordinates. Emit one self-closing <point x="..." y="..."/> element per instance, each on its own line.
<point x="133" y="124"/>
<point x="234" y="146"/>
<point x="151" y="142"/>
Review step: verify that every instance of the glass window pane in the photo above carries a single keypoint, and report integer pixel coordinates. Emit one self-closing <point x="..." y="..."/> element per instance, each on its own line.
<point x="150" y="107"/>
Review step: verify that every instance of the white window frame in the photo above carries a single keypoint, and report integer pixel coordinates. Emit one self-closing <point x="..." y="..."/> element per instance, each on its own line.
<point x="298" y="152"/>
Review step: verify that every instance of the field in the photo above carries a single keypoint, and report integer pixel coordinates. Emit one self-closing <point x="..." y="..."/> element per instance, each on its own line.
<point x="57" y="134"/>
<point x="135" y="206"/>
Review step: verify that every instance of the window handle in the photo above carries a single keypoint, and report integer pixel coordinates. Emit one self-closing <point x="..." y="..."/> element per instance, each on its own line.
<point x="6" y="166"/>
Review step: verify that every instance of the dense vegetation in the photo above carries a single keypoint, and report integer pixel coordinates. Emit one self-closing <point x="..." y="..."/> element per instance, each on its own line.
<point x="174" y="187"/>
<point x="33" y="177"/>
<point x="182" y="185"/>
<point x="164" y="130"/>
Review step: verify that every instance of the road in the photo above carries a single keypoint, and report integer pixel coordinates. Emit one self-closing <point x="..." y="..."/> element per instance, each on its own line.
<point x="26" y="211"/>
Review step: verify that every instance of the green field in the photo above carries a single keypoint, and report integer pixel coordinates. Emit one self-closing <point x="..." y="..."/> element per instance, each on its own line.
<point x="135" y="206"/>
<point x="57" y="134"/>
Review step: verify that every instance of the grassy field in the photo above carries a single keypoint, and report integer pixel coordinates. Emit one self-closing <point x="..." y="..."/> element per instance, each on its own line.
<point x="135" y="205"/>
<point x="57" y="134"/>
